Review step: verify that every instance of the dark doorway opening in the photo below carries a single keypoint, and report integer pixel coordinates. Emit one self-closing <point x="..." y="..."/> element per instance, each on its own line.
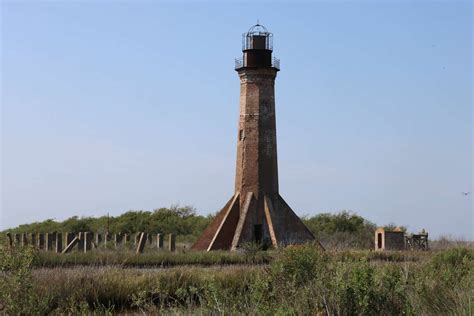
<point x="379" y="241"/>
<point x="258" y="233"/>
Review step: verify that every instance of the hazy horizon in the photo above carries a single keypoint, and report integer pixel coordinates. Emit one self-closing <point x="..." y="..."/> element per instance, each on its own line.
<point x="110" y="107"/>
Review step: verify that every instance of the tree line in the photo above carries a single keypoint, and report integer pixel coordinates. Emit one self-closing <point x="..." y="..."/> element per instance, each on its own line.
<point x="339" y="230"/>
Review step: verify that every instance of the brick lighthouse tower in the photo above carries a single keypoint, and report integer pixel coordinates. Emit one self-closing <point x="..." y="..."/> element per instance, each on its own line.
<point x="256" y="212"/>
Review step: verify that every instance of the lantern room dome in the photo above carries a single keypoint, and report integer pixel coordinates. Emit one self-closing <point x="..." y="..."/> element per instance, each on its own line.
<point x="258" y="29"/>
<point x="257" y="37"/>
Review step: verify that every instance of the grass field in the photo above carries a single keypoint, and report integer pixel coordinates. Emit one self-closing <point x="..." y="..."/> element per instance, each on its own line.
<point x="150" y="259"/>
<point x="296" y="280"/>
<point x="128" y="259"/>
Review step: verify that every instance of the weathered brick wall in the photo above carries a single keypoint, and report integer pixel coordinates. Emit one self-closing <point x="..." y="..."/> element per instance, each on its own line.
<point x="394" y="240"/>
<point x="256" y="167"/>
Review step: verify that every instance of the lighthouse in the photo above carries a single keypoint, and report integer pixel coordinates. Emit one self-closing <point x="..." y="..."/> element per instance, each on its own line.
<point x="256" y="213"/>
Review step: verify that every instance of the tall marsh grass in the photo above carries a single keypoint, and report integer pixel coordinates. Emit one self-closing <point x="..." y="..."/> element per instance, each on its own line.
<point x="299" y="280"/>
<point x="151" y="259"/>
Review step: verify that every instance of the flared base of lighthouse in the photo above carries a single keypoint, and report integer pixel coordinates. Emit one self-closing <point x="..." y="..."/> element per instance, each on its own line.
<point x="247" y="219"/>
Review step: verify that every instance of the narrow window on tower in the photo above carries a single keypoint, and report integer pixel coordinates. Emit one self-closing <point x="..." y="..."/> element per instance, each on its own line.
<point x="241" y="134"/>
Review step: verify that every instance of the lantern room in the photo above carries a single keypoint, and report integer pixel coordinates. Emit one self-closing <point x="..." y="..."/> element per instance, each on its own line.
<point x="257" y="47"/>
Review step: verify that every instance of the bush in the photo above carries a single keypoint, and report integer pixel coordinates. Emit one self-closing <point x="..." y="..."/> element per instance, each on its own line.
<point x="342" y="230"/>
<point x="446" y="284"/>
<point x="305" y="280"/>
<point x="17" y="293"/>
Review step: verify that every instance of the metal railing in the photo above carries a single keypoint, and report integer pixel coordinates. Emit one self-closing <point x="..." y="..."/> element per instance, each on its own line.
<point x="240" y="63"/>
<point x="248" y="40"/>
<point x="276" y="63"/>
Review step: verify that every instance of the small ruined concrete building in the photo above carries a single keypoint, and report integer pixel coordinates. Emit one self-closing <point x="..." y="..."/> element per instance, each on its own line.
<point x="389" y="239"/>
<point x="256" y="213"/>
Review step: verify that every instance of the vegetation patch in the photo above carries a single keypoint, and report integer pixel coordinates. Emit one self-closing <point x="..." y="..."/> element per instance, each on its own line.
<point x="299" y="280"/>
<point x="150" y="259"/>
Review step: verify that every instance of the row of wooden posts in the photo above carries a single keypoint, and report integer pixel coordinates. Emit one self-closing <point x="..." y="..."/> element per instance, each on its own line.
<point x="86" y="241"/>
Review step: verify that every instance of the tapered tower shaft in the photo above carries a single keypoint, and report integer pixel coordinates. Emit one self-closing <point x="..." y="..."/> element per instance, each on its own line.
<point x="257" y="168"/>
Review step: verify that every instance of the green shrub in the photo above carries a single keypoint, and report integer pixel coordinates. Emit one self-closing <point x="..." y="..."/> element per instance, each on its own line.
<point x="306" y="280"/>
<point x="354" y="288"/>
<point x="17" y="293"/>
<point x="342" y="230"/>
<point x="300" y="279"/>
<point x="446" y="284"/>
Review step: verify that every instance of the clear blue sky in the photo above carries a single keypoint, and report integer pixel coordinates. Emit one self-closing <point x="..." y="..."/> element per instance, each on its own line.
<point x="108" y="107"/>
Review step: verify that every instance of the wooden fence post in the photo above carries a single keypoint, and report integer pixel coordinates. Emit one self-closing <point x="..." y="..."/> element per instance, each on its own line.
<point x="98" y="239"/>
<point x="171" y="242"/>
<point x="80" y="242"/>
<point x="10" y="240"/>
<point x="58" y="245"/>
<point x="118" y="240"/>
<point x="50" y="239"/>
<point x="71" y="245"/>
<point x="41" y="244"/>
<point x="24" y="239"/>
<point x="33" y="239"/>
<point x="126" y="239"/>
<point x="87" y="236"/>
<point x="159" y="241"/>
<point x="141" y="243"/>
<point x="69" y="237"/>
<point x="18" y="240"/>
